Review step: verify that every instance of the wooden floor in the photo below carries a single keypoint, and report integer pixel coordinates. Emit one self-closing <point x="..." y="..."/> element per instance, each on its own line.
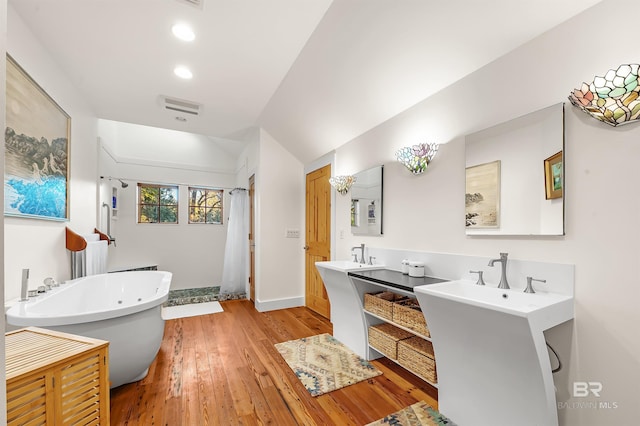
<point x="222" y="369"/>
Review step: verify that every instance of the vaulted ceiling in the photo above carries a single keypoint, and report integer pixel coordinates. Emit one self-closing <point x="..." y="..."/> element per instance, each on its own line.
<point x="313" y="73"/>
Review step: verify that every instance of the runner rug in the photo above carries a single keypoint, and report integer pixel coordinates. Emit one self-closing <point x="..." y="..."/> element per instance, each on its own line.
<point x="323" y="364"/>
<point x="190" y="310"/>
<point x="418" y="414"/>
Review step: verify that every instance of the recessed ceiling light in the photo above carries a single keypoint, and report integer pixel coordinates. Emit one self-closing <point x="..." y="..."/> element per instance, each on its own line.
<point x="183" y="72"/>
<point x="183" y="32"/>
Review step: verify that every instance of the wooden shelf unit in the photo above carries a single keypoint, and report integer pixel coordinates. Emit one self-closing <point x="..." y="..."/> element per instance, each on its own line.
<point x="56" y="378"/>
<point x="372" y="348"/>
<point x="364" y="286"/>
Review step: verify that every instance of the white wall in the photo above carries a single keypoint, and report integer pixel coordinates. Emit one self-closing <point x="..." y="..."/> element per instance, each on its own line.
<point x="194" y="253"/>
<point x="279" y="205"/>
<point x="39" y="244"/>
<point x="602" y="237"/>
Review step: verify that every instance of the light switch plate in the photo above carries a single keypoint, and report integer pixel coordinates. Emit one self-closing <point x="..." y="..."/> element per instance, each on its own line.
<point x="292" y="233"/>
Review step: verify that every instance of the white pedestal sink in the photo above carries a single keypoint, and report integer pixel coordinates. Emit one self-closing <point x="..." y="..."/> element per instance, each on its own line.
<point x="346" y="304"/>
<point x="492" y="361"/>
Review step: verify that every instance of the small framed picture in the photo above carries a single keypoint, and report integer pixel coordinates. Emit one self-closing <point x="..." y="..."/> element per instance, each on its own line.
<point x="553" y="176"/>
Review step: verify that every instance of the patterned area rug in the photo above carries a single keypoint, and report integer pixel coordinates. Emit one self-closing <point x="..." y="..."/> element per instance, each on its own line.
<point x="323" y="364"/>
<point x="418" y="414"/>
<point x="188" y="296"/>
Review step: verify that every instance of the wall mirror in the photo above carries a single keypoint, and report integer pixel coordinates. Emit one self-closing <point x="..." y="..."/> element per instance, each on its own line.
<point x="515" y="176"/>
<point x="366" y="202"/>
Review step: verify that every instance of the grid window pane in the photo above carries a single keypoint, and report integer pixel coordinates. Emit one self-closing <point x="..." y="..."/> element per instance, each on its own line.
<point x="196" y="215"/>
<point x="205" y="205"/>
<point x="157" y="203"/>
<point x="169" y="214"/>
<point x="148" y="214"/>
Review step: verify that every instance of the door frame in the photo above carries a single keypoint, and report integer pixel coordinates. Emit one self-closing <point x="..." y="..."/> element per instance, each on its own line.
<point x="252" y="238"/>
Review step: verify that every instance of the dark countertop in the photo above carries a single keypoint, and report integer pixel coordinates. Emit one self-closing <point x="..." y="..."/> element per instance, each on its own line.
<point x="394" y="278"/>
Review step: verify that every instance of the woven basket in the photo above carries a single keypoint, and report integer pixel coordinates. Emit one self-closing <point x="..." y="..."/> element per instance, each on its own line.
<point x="385" y="337"/>
<point x="416" y="354"/>
<point x="407" y="313"/>
<point x="381" y="303"/>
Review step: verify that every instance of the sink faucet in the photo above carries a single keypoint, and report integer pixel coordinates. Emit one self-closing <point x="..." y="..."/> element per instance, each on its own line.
<point x="503" y="278"/>
<point x="360" y="247"/>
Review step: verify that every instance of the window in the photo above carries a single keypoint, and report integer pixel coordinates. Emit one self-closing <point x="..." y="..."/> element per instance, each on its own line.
<point x="205" y="205"/>
<point x="157" y="203"/>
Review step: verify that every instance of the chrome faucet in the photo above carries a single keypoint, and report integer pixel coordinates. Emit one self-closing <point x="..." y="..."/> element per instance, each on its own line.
<point x="529" y="288"/>
<point x="355" y="256"/>
<point x="503" y="278"/>
<point x="25" y="286"/>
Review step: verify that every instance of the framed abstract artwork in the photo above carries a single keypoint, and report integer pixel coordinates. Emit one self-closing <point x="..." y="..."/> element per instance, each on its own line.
<point x="37" y="147"/>
<point x="553" y="176"/>
<point x="482" y="198"/>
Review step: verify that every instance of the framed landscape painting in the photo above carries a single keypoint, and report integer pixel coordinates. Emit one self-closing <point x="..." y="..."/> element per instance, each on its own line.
<point x="37" y="138"/>
<point x="482" y="199"/>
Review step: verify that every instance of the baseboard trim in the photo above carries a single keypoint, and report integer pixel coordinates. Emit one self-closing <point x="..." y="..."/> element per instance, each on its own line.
<point x="275" y="304"/>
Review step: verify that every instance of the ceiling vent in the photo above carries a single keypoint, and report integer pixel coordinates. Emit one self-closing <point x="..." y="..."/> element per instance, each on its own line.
<point x="195" y="3"/>
<point x="181" y="105"/>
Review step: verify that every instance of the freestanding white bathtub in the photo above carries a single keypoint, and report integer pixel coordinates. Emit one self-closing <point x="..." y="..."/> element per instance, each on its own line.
<point x="123" y="308"/>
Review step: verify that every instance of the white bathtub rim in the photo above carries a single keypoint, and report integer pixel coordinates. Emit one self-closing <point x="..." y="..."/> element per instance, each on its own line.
<point x="20" y="315"/>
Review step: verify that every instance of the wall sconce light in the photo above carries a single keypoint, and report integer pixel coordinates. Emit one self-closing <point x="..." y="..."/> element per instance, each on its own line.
<point x="614" y="98"/>
<point x="342" y="184"/>
<point x="416" y="158"/>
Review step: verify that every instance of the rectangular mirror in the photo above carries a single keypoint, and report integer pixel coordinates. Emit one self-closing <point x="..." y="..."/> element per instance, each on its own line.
<point x="366" y="202"/>
<point x="515" y="176"/>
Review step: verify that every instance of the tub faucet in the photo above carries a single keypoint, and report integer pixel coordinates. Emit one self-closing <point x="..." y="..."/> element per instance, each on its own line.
<point x="503" y="278"/>
<point x="355" y="256"/>
<point x="25" y="285"/>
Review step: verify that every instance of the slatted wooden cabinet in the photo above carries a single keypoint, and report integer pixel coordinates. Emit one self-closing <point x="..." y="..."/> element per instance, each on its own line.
<point x="56" y="378"/>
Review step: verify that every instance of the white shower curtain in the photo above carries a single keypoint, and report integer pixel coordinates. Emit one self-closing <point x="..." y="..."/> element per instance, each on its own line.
<point x="234" y="269"/>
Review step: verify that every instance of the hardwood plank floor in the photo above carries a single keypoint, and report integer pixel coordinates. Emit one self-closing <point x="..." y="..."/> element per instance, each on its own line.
<point x="223" y="369"/>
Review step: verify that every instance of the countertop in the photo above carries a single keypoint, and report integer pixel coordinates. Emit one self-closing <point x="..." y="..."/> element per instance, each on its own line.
<point x="394" y="278"/>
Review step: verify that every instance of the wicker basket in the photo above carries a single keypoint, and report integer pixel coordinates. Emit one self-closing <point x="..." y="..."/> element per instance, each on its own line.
<point x="381" y="303"/>
<point x="416" y="354"/>
<point x="407" y="313"/>
<point x="385" y="337"/>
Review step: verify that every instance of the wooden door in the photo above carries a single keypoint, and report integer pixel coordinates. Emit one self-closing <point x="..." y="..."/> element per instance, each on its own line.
<point x="252" y="241"/>
<point x="318" y="238"/>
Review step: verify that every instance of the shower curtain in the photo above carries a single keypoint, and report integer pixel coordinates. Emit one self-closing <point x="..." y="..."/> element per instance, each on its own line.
<point x="234" y="269"/>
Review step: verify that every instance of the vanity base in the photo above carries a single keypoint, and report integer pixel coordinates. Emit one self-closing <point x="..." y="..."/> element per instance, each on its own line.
<point x="492" y="368"/>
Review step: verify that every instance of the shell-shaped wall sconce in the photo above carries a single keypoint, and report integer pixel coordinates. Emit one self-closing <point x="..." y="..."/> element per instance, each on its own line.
<point x="416" y="158"/>
<point x="614" y="98"/>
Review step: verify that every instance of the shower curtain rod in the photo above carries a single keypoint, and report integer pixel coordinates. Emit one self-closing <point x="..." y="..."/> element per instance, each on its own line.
<point x="230" y="189"/>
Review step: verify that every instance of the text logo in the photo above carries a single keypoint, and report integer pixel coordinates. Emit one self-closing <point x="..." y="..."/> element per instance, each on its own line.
<point x="584" y="389"/>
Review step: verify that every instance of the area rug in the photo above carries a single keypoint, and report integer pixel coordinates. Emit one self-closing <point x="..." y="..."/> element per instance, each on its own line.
<point x="187" y="296"/>
<point x="418" y="414"/>
<point x="190" y="310"/>
<point x="323" y="364"/>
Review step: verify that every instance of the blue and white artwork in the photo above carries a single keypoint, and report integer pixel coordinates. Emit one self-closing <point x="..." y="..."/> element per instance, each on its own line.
<point x="36" y="150"/>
